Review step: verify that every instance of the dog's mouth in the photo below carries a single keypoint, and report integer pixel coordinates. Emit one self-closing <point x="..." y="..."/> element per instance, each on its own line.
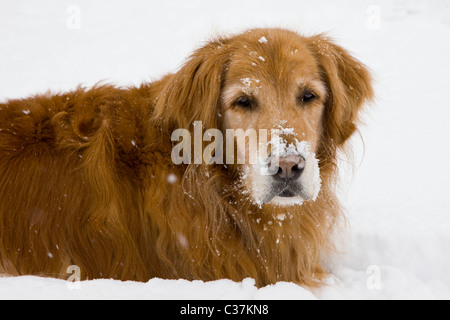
<point x="287" y="194"/>
<point x="289" y="191"/>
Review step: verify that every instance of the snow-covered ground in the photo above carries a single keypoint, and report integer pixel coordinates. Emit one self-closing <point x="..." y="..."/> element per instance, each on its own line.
<point x="397" y="195"/>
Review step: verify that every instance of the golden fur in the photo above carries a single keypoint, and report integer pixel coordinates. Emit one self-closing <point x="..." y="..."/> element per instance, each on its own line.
<point x="83" y="175"/>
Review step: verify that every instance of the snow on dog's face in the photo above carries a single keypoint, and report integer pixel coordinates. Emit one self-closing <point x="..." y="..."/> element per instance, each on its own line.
<point x="289" y="175"/>
<point x="275" y="89"/>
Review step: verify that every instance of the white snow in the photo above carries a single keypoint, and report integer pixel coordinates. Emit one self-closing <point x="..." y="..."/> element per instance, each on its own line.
<point x="171" y="178"/>
<point x="246" y="82"/>
<point x="396" y="195"/>
<point x="262" y="40"/>
<point x="44" y="288"/>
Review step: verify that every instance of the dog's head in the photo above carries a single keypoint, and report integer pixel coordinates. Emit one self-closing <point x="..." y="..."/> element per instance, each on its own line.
<point x="301" y="96"/>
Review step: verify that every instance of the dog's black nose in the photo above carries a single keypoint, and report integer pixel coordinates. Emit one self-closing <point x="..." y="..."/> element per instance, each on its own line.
<point x="287" y="167"/>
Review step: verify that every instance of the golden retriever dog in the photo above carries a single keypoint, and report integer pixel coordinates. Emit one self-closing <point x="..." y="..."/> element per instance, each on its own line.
<point x="88" y="177"/>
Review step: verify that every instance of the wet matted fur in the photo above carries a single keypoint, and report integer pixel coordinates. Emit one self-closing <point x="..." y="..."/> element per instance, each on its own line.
<point x="84" y="175"/>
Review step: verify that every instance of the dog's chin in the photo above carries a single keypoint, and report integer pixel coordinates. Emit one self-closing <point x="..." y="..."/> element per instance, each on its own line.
<point x="282" y="201"/>
<point x="277" y="197"/>
<point x="286" y="198"/>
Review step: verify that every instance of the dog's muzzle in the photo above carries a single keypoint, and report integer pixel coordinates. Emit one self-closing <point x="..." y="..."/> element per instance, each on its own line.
<point x="285" y="173"/>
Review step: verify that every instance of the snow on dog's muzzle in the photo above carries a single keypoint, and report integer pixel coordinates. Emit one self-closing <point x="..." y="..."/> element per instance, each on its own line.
<point x="290" y="175"/>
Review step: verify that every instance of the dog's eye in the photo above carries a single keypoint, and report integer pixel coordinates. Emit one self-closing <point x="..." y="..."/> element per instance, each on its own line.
<point x="245" y="102"/>
<point x="308" y="96"/>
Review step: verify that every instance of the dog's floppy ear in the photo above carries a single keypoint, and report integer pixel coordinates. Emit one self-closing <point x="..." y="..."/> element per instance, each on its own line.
<point x="349" y="84"/>
<point x="193" y="93"/>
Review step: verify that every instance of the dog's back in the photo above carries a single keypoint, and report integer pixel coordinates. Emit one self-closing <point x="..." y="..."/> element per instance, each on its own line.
<point x="64" y="169"/>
